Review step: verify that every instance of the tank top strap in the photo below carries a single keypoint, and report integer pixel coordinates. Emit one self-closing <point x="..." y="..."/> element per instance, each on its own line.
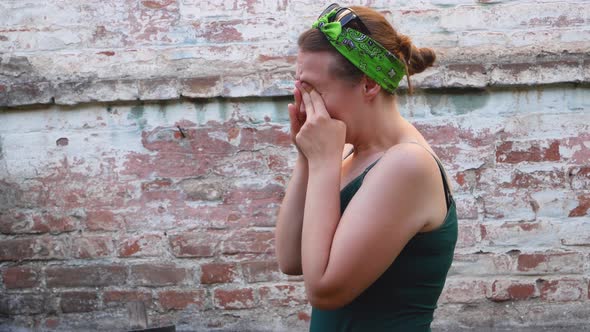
<point x="448" y="194"/>
<point x="370" y="166"/>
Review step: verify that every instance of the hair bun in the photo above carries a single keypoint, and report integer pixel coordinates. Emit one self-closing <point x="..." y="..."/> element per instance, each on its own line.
<point x="421" y="58"/>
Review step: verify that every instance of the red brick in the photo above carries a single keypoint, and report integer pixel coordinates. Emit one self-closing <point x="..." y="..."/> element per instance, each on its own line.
<point x="201" y="244"/>
<point x="510" y="290"/>
<point x="254" y="138"/>
<point x="249" y="241"/>
<point x="103" y="221"/>
<point x="159" y="275"/>
<point x="20" y="277"/>
<point x="38" y="248"/>
<point x="51" y="223"/>
<point x="450" y="133"/>
<point x="217" y="273"/>
<point x="143" y="245"/>
<point x="283" y="295"/>
<point x="200" y="142"/>
<point x="121" y="297"/>
<point x="567" y="262"/>
<point x="78" y="302"/>
<point x="180" y="300"/>
<point x="94" y="246"/>
<point x="51" y="323"/>
<point x="582" y="208"/>
<point x="86" y="276"/>
<point x="538" y="179"/>
<point x="231" y="299"/>
<point x="304" y="316"/>
<point x="517" y="152"/>
<point x="562" y="290"/>
<point x="261" y="271"/>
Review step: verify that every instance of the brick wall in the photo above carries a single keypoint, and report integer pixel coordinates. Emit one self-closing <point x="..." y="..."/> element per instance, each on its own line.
<point x="144" y="150"/>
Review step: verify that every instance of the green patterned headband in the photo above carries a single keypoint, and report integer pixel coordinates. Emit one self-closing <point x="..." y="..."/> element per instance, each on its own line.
<point x="362" y="51"/>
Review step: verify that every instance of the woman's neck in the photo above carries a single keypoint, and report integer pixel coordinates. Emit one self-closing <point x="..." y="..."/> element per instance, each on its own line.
<point x="376" y="133"/>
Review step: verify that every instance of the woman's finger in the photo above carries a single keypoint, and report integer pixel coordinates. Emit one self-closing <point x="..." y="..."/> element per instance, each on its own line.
<point x="306" y="100"/>
<point x="295" y="124"/>
<point x="297" y="95"/>
<point x="318" y="104"/>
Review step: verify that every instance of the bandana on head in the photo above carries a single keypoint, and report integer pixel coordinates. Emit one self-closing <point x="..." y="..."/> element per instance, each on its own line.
<point x="362" y="51"/>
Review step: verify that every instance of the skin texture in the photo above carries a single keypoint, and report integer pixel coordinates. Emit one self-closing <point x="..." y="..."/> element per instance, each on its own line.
<point x="401" y="196"/>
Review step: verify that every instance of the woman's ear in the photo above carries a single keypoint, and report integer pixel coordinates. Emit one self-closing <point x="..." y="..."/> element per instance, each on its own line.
<point x="370" y="88"/>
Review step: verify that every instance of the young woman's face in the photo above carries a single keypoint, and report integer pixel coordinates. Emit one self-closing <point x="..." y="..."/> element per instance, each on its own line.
<point x="341" y="97"/>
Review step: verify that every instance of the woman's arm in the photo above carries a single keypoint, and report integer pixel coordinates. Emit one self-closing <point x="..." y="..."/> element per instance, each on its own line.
<point x="290" y="220"/>
<point x="342" y="255"/>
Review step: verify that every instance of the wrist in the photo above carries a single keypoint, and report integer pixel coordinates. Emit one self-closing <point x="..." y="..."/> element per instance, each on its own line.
<point x="325" y="164"/>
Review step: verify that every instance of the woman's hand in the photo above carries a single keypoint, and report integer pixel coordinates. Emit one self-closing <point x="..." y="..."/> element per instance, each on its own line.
<point x="296" y="115"/>
<point x="321" y="138"/>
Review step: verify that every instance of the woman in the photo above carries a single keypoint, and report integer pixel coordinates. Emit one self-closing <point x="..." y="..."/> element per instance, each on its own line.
<point x="372" y="229"/>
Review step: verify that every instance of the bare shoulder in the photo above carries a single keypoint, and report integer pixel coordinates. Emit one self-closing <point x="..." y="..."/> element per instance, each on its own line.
<point x="406" y="162"/>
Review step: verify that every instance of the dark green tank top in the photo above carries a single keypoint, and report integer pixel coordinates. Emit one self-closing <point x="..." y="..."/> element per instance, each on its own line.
<point x="404" y="297"/>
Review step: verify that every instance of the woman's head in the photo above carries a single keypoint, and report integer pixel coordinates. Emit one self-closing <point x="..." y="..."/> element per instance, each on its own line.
<point x="415" y="59"/>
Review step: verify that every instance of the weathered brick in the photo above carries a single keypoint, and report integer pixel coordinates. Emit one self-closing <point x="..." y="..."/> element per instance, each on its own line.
<point x="255" y="138"/>
<point x="103" y="220"/>
<point x="512" y="290"/>
<point x="250" y="242"/>
<point x="582" y="208"/>
<point x="202" y="190"/>
<point x="218" y="273"/>
<point x="482" y="264"/>
<point x="180" y="299"/>
<point x="24" y="304"/>
<point x="517" y="234"/>
<point x="158" y="89"/>
<point x="512" y="205"/>
<point x="92" y="246"/>
<point x="157" y="184"/>
<point x="159" y="275"/>
<point x="468" y="236"/>
<point x="283" y="295"/>
<point x="464" y="291"/>
<point x="122" y="297"/>
<point x="562" y="290"/>
<point x="517" y="152"/>
<point x="231" y="299"/>
<point x="579" y="177"/>
<point x="566" y="262"/>
<point x="13" y="222"/>
<point x="38" y="248"/>
<point x="201" y="86"/>
<point x="198" y="244"/>
<point x="261" y="271"/>
<point x="576" y="149"/>
<point x="78" y="302"/>
<point x="142" y="245"/>
<point x="52" y="223"/>
<point x="86" y="276"/>
<point x="20" y="277"/>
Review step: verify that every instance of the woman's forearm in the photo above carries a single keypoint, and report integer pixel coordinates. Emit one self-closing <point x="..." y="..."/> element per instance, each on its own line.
<point x="290" y="220"/>
<point x="322" y="214"/>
